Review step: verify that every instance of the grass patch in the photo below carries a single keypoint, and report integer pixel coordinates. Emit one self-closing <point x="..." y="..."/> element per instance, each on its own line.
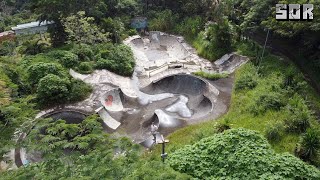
<point x="211" y="76"/>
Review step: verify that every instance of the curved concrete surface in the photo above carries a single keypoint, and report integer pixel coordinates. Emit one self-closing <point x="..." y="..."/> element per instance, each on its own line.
<point x="107" y="119"/>
<point x="22" y="157"/>
<point x="196" y="97"/>
<point x="112" y="100"/>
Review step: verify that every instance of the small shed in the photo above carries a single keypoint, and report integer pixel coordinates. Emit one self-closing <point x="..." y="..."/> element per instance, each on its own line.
<point x="32" y="28"/>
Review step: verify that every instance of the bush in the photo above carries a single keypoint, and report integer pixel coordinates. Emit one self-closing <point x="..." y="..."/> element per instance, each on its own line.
<point x="84" y="52"/>
<point x="7" y="47"/>
<point x="39" y="70"/>
<point x="247" y="80"/>
<point x="211" y="76"/>
<point x="163" y="21"/>
<point x="34" y="46"/>
<point x="215" y="41"/>
<point x="66" y="58"/>
<point x="52" y="90"/>
<point x="299" y="115"/>
<point x="238" y="154"/>
<point x="273" y="132"/>
<point x="118" y="59"/>
<point x="85" y="68"/>
<point x="190" y="27"/>
<point x="267" y="101"/>
<point x="78" y="90"/>
<point x="309" y="146"/>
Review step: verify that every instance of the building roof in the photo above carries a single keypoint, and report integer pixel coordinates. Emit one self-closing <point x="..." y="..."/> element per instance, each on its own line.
<point x="31" y="25"/>
<point x="6" y="33"/>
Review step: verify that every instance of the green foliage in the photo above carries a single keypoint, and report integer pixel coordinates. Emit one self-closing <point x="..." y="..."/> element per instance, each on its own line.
<point x="211" y="76"/>
<point x="85" y="68"/>
<point x="309" y="146"/>
<point x="52" y="90"/>
<point x="40" y="70"/>
<point x="163" y="21"/>
<point x="84" y="52"/>
<point x="273" y="132"/>
<point x="66" y="58"/>
<point x="81" y="29"/>
<point x="118" y="59"/>
<point x="215" y="41"/>
<point x="34" y="46"/>
<point x="13" y="117"/>
<point x="61" y="135"/>
<point x="78" y="90"/>
<point x="238" y="154"/>
<point x="248" y="79"/>
<point x="190" y="27"/>
<point x="7" y="47"/>
<point x="299" y="115"/>
<point x="115" y="27"/>
<point x="267" y="101"/>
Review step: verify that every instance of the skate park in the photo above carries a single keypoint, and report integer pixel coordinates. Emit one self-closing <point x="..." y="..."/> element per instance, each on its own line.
<point x="162" y="92"/>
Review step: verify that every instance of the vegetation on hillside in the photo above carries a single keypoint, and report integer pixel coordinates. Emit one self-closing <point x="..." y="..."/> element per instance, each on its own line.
<point x="270" y="94"/>
<point x="238" y="154"/>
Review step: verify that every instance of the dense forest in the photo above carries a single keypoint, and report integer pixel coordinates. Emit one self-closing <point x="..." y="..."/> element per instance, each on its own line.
<point x="271" y="130"/>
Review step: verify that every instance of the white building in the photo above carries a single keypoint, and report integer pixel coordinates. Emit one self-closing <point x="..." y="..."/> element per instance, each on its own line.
<point x="32" y="28"/>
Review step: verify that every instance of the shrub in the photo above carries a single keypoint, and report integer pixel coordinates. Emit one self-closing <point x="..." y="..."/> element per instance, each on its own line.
<point x="299" y="115"/>
<point x="273" y="132"/>
<point x="84" y="52"/>
<point x="247" y="80"/>
<point x="52" y="90"/>
<point x="215" y="41"/>
<point x="163" y="21"/>
<point x="309" y="146"/>
<point x="267" y="101"/>
<point x="118" y="59"/>
<point x="66" y="58"/>
<point x="7" y="47"/>
<point x="85" y="68"/>
<point x="33" y="47"/>
<point x="238" y="154"/>
<point x="78" y="90"/>
<point x="211" y="76"/>
<point x="39" y="70"/>
<point x="190" y="27"/>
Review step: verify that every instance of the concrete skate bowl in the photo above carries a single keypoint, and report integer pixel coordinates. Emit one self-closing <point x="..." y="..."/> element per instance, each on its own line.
<point x="159" y="47"/>
<point x="115" y="100"/>
<point x="70" y="116"/>
<point x="196" y="97"/>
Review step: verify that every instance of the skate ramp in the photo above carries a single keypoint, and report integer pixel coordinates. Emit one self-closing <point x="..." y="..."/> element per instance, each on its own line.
<point x="107" y="119"/>
<point x="161" y="48"/>
<point x="230" y="62"/>
<point x="177" y="84"/>
<point x="112" y="100"/>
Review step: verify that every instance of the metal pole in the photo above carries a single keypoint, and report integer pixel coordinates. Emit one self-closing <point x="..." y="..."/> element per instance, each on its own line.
<point x="264" y="47"/>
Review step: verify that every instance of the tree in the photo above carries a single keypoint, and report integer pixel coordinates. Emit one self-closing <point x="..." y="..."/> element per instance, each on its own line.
<point x="57" y="10"/>
<point x="52" y="90"/>
<point x="40" y="70"/>
<point x="81" y="29"/>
